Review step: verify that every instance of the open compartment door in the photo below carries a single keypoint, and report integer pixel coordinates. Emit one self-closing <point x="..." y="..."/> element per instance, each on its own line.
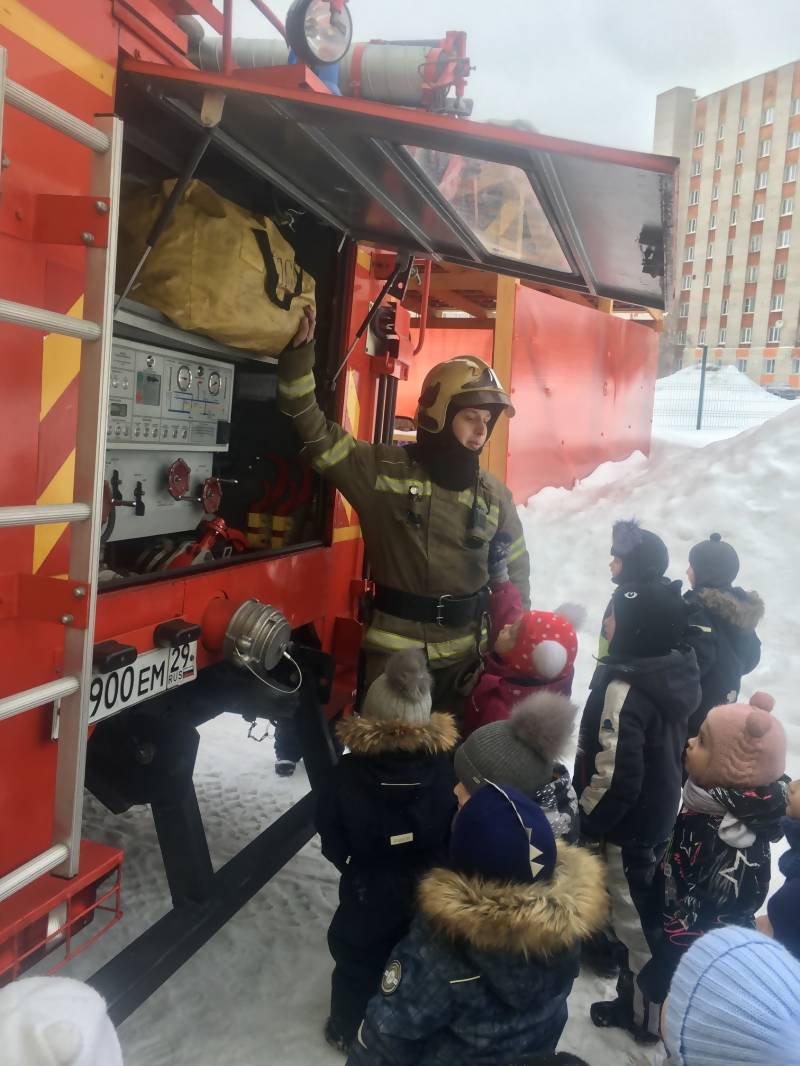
<point x="596" y="220"/>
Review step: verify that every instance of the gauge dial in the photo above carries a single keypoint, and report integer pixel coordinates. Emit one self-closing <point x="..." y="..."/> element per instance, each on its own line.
<point x="184" y="378"/>
<point x="214" y="383"/>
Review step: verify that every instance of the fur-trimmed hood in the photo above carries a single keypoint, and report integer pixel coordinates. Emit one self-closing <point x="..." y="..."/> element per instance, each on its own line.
<point x="742" y="609"/>
<point x="371" y="736"/>
<point x="541" y="920"/>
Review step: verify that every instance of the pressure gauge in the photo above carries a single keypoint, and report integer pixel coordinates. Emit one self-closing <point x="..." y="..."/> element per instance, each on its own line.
<point x="213" y="384"/>
<point x="184" y="378"/>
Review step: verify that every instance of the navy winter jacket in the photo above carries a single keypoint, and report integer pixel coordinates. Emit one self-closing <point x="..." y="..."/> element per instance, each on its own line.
<point x="784" y="907"/>
<point x="721" y="629"/>
<point x="484" y="975"/>
<point x="629" y="769"/>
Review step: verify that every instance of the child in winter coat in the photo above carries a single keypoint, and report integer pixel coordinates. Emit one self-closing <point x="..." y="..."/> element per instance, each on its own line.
<point x="635" y="552"/>
<point x="484" y="975"/>
<point x="735" y="998"/>
<point x="722" y="625"/>
<point x="716" y="870"/>
<point x="384" y="819"/>
<point x="628" y="769"/>
<point x="524" y="752"/>
<point x="783" y="909"/>
<point x="532" y="651"/>
<point x="56" y="1021"/>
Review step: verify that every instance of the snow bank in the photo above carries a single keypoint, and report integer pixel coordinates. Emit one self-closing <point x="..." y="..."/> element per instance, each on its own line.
<point x="731" y="400"/>
<point x="258" y="992"/>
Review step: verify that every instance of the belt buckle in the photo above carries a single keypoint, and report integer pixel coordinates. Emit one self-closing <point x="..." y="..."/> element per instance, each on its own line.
<point x="440" y="606"/>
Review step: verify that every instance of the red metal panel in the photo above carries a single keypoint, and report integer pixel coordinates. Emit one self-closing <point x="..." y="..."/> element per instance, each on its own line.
<point x="440" y="344"/>
<point x="582" y="383"/>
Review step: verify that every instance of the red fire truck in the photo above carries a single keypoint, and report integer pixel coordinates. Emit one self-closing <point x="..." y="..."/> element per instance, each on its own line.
<point x="165" y="557"/>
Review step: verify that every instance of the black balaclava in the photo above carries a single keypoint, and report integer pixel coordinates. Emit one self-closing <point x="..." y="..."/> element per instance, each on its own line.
<point x="450" y="464"/>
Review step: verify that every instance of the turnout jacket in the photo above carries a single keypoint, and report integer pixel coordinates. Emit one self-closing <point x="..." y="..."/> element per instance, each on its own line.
<point x="721" y="629"/>
<point x="484" y="974"/>
<point x="414" y="531"/>
<point x="628" y="770"/>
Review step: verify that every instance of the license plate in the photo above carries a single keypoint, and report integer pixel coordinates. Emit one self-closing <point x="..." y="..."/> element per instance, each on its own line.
<point x="153" y="672"/>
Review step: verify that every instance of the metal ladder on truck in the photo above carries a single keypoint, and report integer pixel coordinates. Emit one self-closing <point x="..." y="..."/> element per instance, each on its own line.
<point x="104" y="140"/>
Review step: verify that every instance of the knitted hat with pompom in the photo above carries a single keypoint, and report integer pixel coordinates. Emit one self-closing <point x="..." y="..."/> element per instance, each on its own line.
<point x="403" y="690"/>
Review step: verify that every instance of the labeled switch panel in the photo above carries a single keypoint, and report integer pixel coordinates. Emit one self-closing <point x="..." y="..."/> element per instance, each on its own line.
<point x="162" y="400"/>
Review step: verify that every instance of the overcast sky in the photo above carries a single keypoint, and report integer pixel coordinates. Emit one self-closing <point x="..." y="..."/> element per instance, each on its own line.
<point x="587" y="69"/>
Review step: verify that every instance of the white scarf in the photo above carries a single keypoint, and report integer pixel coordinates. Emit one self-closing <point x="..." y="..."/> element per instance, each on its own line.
<point x="732" y="831"/>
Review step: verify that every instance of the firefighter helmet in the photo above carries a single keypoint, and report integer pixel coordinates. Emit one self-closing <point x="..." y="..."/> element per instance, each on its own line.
<point x="464" y="381"/>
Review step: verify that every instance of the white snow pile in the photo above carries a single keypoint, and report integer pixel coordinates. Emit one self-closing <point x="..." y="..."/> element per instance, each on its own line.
<point x="258" y="992"/>
<point x="731" y="400"/>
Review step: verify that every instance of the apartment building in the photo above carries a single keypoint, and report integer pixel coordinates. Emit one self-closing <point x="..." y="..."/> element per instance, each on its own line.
<point x="738" y="248"/>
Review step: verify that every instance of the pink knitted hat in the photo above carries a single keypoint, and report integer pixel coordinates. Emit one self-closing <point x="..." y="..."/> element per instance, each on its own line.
<point x="748" y="745"/>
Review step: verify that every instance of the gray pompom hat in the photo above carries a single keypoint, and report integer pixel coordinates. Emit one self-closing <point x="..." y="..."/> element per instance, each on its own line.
<point x="402" y="692"/>
<point x="520" y="751"/>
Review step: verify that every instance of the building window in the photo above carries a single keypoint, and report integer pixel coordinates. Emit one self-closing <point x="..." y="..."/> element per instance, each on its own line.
<point x="752" y="275"/>
<point x="741" y="366"/>
<point x="726" y="279"/>
<point x="796" y="365"/>
<point x="768" y="366"/>
<point x="767" y="115"/>
<point x="794" y="139"/>
<point x="748" y="305"/>
<point x="723" y="307"/>
<point x="796" y="106"/>
<point x="761" y="179"/>
<point x="746" y="335"/>
<point x="694" y="197"/>
<point x="709" y="251"/>
<point x="707" y="279"/>
<point x="755" y="242"/>
<point x="691" y="225"/>
<point x="723" y="333"/>
<point x="731" y="246"/>
<point x="715" y="192"/>
<point x="776" y="303"/>
<point x="739" y="154"/>
<point x="780" y="271"/>
<point x="741" y="124"/>
<point x="683" y="310"/>
<point x="764" y="148"/>
<point x="733" y="216"/>
<point x="717" y="161"/>
<point x="699" y="138"/>
<point x="712" y="221"/>
<point x="701" y="336"/>
<point x="737" y="186"/>
<point x="787" y="206"/>
<point x="758" y="212"/>
<point x="688" y="253"/>
<point x="720" y="131"/>
<point x="704" y="309"/>
<point x="680" y="336"/>
<point x="790" y="172"/>
<point x="784" y="238"/>
<point x="686" y="282"/>
<point x="697" y="168"/>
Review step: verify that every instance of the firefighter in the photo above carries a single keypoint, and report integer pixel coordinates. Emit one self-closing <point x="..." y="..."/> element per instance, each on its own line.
<point x="428" y="513"/>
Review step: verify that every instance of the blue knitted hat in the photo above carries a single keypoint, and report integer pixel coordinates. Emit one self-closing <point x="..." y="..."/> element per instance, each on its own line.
<point x="735" y="998"/>
<point x="504" y="836"/>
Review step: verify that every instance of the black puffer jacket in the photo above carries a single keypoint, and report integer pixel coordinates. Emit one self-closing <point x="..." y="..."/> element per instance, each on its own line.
<point x="722" y="624"/>
<point x="628" y="770"/>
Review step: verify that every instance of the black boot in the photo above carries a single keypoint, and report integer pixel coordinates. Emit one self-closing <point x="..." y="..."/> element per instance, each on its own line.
<point x="602" y="955"/>
<point x="618" y="1013"/>
<point x="284" y="767"/>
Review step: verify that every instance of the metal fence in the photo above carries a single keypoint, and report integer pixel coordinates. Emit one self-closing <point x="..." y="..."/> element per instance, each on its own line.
<point x="708" y="396"/>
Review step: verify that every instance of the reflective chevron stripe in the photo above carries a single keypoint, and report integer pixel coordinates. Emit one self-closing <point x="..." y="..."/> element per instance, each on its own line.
<point x="293" y="390"/>
<point x="340" y="450"/>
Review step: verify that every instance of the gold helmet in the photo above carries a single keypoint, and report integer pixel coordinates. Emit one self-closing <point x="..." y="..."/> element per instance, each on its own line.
<point x="464" y="381"/>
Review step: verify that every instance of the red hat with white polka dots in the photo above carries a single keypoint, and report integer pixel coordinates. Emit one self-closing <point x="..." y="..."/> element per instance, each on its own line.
<point x="545" y="647"/>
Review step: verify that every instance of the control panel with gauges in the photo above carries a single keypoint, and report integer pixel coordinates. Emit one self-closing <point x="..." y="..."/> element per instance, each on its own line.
<point x="168" y="415"/>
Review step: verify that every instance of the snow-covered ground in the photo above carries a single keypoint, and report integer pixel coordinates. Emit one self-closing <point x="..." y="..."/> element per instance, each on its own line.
<point x="731" y="401"/>
<point x="257" y="993"/>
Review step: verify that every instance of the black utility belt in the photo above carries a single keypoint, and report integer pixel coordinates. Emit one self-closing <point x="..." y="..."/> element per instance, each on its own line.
<point x="444" y="610"/>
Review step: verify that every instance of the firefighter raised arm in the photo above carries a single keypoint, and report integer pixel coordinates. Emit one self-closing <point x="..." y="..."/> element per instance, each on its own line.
<point x="428" y="512"/>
